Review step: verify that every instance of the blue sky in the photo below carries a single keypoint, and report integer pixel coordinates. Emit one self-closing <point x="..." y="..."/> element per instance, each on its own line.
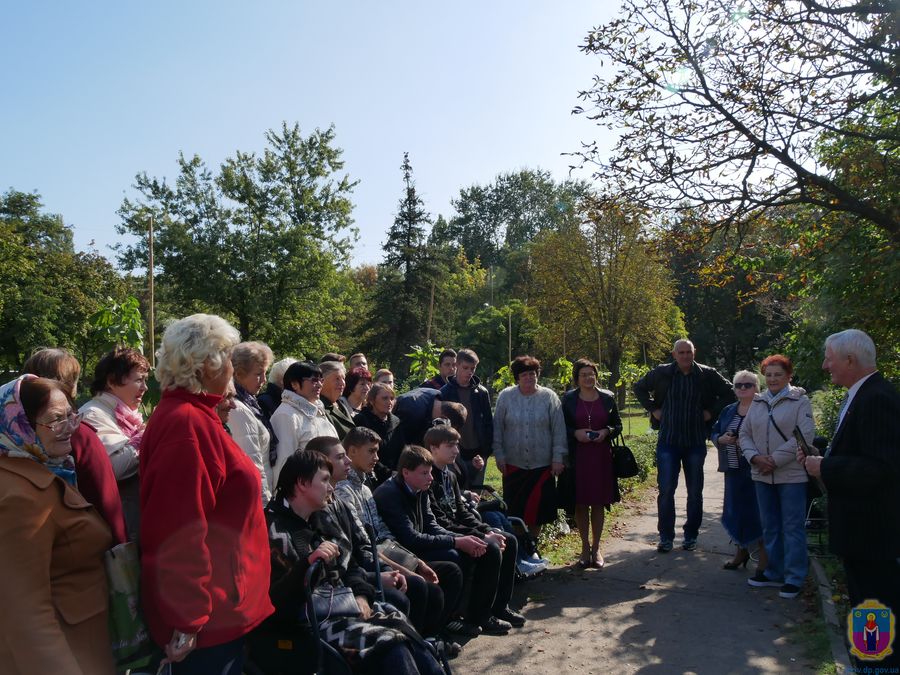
<point x="96" y="92"/>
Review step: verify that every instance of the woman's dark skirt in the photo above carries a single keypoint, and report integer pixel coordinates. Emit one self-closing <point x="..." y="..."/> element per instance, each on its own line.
<point x="740" y="512"/>
<point x="530" y="494"/>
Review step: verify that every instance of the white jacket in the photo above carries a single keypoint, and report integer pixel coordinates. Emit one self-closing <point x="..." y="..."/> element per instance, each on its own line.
<point x="758" y="435"/>
<point x="100" y="413"/>
<point x="295" y="423"/>
<point x="253" y="438"/>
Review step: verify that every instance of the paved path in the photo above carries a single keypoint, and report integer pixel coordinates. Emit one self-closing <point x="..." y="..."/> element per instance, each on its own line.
<point x="648" y="612"/>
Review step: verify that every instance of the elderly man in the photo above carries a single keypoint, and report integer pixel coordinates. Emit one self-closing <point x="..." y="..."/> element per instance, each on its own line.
<point x="683" y="398"/>
<point x="861" y="472"/>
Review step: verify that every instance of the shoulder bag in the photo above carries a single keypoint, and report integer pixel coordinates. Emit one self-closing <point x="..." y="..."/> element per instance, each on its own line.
<point x="624" y="463"/>
<point x="334" y="602"/>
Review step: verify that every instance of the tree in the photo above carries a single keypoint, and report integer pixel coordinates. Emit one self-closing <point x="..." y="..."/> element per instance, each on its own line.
<point x="603" y="283"/>
<point x="399" y="308"/>
<point x="723" y="106"/>
<point x="498" y="220"/>
<point x="261" y="241"/>
<point x="48" y="291"/>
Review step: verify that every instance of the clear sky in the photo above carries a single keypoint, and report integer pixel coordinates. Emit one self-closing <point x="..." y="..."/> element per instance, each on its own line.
<point x="94" y="92"/>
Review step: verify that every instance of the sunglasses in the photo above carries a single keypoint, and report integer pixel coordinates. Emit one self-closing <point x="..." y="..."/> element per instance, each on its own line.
<point x="744" y="385"/>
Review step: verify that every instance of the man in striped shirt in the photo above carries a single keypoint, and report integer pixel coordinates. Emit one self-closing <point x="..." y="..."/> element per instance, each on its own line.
<point x="683" y="398"/>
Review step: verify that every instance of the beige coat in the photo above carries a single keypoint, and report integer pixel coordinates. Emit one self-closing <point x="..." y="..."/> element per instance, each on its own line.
<point x="52" y="579"/>
<point x="759" y="436"/>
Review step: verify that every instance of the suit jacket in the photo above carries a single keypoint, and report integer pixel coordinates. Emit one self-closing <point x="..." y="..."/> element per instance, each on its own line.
<point x="52" y="579"/>
<point x="410" y="518"/>
<point x="862" y="475"/>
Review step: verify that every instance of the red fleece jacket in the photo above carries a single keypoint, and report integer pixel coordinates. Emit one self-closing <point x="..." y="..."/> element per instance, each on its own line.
<point x="204" y="542"/>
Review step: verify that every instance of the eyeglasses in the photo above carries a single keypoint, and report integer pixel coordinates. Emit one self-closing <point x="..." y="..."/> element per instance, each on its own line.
<point x="64" y="425"/>
<point x="314" y="378"/>
<point x="744" y="385"/>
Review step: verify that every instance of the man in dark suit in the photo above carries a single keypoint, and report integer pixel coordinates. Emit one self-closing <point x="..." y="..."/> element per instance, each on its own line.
<point x="861" y="472"/>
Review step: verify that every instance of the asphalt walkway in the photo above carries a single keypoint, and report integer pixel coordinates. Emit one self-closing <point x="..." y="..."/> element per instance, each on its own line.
<point x="647" y="612"/>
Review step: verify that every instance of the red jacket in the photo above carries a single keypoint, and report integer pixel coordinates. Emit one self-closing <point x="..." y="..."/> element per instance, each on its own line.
<point x="204" y="542"/>
<point x="96" y="479"/>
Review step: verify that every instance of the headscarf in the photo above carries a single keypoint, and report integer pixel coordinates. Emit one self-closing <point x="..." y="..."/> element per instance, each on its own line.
<point x="17" y="436"/>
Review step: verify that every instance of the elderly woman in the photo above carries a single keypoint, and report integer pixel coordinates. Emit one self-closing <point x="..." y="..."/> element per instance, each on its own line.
<point x="378" y="416"/>
<point x="120" y="382"/>
<point x="301" y="415"/>
<point x="333" y="384"/>
<point x="270" y="399"/>
<point x="740" y="513"/>
<point x="767" y="441"/>
<point x="592" y="421"/>
<point x="52" y="579"/>
<point x="204" y="546"/>
<point x="249" y="425"/>
<point x="96" y="480"/>
<point x="529" y="444"/>
<point x="356" y="390"/>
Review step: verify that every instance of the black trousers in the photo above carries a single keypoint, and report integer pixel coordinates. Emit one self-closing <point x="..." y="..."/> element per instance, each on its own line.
<point x="426" y="605"/>
<point x="875" y="580"/>
<point x="450" y="581"/>
<point x="492" y="578"/>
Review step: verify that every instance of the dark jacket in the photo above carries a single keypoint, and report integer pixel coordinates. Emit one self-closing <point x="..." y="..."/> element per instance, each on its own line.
<point x="450" y="509"/>
<point x="291" y="540"/>
<point x="392" y="438"/>
<point x="569" y="407"/>
<point x="414" y="410"/>
<point x="410" y="518"/>
<point x="480" y="415"/>
<point x="338" y="417"/>
<point x="436" y="382"/>
<point x="715" y="391"/>
<point x="862" y="475"/>
<point x="270" y="399"/>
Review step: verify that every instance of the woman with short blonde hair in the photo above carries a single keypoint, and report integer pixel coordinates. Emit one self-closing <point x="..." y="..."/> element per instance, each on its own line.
<point x="204" y="543"/>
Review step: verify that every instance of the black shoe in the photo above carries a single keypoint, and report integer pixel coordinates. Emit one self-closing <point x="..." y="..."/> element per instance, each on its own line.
<point x="464" y="628"/>
<point x="446" y="645"/>
<point x="664" y="546"/>
<point x="789" y="591"/>
<point x="760" y="580"/>
<point x="511" y="617"/>
<point x="689" y="545"/>
<point x="494" y="626"/>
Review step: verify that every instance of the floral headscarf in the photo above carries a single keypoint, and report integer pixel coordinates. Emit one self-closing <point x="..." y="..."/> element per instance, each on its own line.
<point x="17" y="437"/>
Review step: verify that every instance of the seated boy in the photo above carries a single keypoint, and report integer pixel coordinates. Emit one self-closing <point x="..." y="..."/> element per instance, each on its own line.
<point x="403" y="503"/>
<point x="490" y="589"/>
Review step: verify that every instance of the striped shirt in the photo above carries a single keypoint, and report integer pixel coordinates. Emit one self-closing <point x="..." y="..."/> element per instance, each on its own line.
<point x="682" y="413"/>
<point x="731" y="451"/>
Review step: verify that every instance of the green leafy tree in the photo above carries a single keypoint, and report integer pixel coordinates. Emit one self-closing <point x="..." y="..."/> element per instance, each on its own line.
<point x="260" y="241"/>
<point x="49" y="291"/>
<point x="120" y="324"/>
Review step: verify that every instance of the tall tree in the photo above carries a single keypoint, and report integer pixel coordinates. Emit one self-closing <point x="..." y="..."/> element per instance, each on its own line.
<point x="261" y="241"/>
<point x="399" y="308"/>
<point x="604" y="284"/>
<point x="723" y="104"/>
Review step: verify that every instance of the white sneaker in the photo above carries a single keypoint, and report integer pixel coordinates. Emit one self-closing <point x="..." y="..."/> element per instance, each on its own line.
<point x="530" y="569"/>
<point x="538" y="561"/>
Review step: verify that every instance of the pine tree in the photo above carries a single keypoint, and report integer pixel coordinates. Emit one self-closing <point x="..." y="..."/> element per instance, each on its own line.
<point x="399" y="307"/>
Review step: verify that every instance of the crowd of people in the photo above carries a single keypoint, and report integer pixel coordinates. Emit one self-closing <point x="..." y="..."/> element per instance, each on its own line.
<point x="239" y="484"/>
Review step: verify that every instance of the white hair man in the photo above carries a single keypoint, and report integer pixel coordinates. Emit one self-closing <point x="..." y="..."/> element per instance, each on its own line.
<point x="861" y="472"/>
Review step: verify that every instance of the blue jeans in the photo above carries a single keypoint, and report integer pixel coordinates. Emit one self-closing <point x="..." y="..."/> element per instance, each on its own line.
<point x="782" y="509"/>
<point x="669" y="461"/>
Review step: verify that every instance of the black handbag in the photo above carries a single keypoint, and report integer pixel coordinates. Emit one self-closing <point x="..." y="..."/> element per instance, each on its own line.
<point x="396" y="553"/>
<point x="624" y="463"/>
<point x="334" y="602"/>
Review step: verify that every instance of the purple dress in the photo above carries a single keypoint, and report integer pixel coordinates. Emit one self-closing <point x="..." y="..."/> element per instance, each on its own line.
<point x="593" y="461"/>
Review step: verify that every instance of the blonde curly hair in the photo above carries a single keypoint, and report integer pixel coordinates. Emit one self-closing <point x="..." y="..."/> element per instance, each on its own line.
<point x="188" y="344"/>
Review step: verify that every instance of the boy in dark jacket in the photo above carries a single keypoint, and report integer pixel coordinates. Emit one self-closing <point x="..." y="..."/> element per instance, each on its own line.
<point x="493" y="574"/>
